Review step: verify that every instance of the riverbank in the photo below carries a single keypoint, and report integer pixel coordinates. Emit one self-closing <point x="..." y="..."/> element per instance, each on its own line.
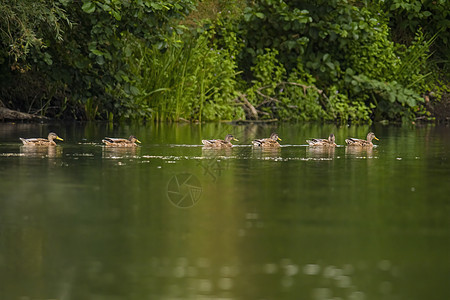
<point x="338" y="61"/>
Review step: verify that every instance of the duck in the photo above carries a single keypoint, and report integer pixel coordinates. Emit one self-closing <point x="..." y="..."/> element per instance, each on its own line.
<point x="49" y="141"/>
<point x="271" y="142"/>
<point x="226" y="143"/>
<point x="330" y="142"/>
<point x="360" y="142"/>
<point x="121" y="142"/>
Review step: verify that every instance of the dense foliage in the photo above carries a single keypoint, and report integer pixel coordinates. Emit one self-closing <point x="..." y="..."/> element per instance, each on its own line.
<point x="343" y="49"/>
<point x="75" y="50"/>
<point x="337" y="60"/>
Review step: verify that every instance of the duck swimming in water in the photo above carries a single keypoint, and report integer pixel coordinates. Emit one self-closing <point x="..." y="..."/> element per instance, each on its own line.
<point x="218" y="144"/>
<point x="330" y="142"/>
<point x="271" y="142"/>
<point x="360" y="142"/>
<point x="120" y="142"/>
<point x="49" y="141"/>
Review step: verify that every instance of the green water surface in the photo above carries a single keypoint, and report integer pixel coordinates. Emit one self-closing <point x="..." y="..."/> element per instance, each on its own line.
<point x="170" y="220"/>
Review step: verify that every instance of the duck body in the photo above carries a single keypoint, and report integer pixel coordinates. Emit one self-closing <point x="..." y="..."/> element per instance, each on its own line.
<point x="360" y="142"/>
<point x="121" y="142"/>
<point x="220" y="144"/>
<point x="49" y="141"/>
<point x="330" y="142"/>
<point x="271" y="142"/>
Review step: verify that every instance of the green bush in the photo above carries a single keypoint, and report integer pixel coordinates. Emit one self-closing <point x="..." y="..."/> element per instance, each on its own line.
<point x="345" y="47"/>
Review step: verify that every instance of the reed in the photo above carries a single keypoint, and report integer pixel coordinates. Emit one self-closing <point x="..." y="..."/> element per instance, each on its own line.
<point x="415" y="61"/>
<point x="186" y="80"/>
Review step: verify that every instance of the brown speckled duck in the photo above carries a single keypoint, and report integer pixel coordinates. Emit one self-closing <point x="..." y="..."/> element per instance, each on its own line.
<point x="330" y="142"/>
<point x="360" y="142"/>
<point x="120" y="142"/>
<point x="220" y="144"/>
<point x="271" y="142"/>
<point x="49" y="141"/>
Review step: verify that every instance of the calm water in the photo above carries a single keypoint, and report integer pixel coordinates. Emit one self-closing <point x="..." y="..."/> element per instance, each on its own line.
<point x="172" y="221"/>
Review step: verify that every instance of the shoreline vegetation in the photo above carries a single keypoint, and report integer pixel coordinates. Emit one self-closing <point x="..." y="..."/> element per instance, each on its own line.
<point x="337" y="61"/>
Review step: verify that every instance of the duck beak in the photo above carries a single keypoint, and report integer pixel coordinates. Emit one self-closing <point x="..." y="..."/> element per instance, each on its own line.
<point x="138" y="141"/>
<point x="375" y="138"/>
<point x="235" y="139"/>
<point x="58" y="138"/>
<point x="279" y="139"/>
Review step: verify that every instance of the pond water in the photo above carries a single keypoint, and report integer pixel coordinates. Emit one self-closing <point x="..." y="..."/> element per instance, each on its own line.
<point x="170" y="220"/>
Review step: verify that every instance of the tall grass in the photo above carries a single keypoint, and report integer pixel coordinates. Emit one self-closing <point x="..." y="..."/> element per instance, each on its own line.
<point x="414" y="61"/>
<point x="187" y="80"/>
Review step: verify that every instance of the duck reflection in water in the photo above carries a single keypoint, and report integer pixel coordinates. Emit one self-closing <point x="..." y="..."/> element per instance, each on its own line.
<point x="263" y="153"/>
<point x="41" y="151"/>
<point x="359" y="151"/>
<point x="120" y="152"/>
<point x="214" y="153"/>
<point x="320" y="152"/>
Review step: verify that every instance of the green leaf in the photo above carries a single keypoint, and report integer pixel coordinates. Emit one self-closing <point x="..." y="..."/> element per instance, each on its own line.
<point x="116" y="15"/>
<point x="134" y="90"/>
<point x="156" y="6"/>
<point x="391" y="97"/>
<point x="100" y="60"/>
<point x="291" y="44"/>
<point x="330" y="65"/>
<point x="106" y="7"/>
<point x="48" y="59"/>
<point x="88" y="7"/>
<point x="260" y="15"/>
<point x="411" y="101"/>
<point x="97" y="52"/>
